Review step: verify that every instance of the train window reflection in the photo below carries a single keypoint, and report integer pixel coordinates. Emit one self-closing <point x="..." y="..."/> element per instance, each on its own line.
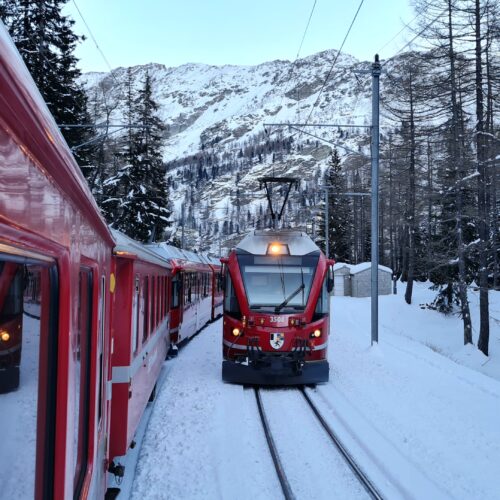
<point x="23" y="320"/>
<point x="271" y="281"/>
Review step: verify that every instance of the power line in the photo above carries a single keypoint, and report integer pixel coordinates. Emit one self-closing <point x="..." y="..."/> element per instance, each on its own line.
<point x="335" y="60"/>
<point x="425" y="28"/>
<point x="405" y="27"/>
<point x="95" y="42"/>
<point x="290" y="72"/>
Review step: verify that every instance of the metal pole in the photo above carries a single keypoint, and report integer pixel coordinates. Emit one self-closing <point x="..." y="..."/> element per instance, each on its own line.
<point x="376" y="70"/>
<point x="327" y="226"/>
<point x="182" y="220"/>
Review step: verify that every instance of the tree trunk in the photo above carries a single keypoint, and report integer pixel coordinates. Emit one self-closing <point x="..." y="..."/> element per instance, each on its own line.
<point x="484" y="329"/>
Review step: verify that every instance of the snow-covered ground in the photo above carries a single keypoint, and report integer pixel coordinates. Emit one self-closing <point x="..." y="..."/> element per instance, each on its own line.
<point x="418" y="411"/>
<point x="18" y="421"/>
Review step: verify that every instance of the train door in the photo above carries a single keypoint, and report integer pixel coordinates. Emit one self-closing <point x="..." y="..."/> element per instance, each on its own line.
<point x="81" y="350"/>
<point x="28" y="376"/>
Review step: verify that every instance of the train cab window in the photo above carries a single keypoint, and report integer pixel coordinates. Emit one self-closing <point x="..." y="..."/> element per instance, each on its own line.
<point x="231" y="305"/>
<point x="176" y="286"/>
<point x="28" y="376"/>
<point x="80" y="344"/>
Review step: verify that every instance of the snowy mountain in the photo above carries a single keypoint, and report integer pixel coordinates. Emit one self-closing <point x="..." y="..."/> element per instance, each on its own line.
<point x="217" y="143"/>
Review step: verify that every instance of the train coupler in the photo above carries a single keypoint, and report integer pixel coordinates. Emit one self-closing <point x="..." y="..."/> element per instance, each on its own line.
<point x="253" y="350"/>
<point x="118" y="470"/>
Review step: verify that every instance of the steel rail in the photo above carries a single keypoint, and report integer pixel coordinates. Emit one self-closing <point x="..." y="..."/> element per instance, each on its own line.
<point x="361" y="476"/>
<point x="285" y="485"/>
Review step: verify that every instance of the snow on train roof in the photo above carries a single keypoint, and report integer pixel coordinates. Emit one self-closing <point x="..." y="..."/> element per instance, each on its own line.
<point x="257" y="242"/>
<point x="171" y="252"/>
<point x="126" y="244"/>
<point x="166" y="251"/>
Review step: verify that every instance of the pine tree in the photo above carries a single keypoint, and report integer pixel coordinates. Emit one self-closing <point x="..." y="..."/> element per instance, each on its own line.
<point x="137" y="196"/>
<point x="45" y="39"/>
<point x="338" y="212"/>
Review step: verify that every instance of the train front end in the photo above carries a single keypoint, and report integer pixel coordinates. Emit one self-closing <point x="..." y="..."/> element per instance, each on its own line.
<point x="276" y="322"/>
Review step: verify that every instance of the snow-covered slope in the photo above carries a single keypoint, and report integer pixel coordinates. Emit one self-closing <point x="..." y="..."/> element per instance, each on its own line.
<point x="216" y="134"/>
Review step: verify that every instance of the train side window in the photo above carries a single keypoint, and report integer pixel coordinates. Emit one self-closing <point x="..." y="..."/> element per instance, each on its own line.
<point x="176" y="285"/>
<point x="162" y="298"/>
<point x="158" y="300"/>
<point x="189" y="288"/>
<point x="100" y="346"/>
<point x="28" y="376"/>
<point x="154" y="291"/>
<point x="81" y="344"/>
<point x="147" y="309"/>
<point x="231" y="305"/>
<point x="135" y="314"/>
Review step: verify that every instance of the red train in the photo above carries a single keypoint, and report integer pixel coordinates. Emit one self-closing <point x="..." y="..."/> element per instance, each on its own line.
<point x="86" y="315"/>
<point x="196" y="291"/>
<point x="276" y="321"/>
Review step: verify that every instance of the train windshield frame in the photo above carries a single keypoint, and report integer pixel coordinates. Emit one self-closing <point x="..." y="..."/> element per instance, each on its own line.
<point x="278" y="284"/>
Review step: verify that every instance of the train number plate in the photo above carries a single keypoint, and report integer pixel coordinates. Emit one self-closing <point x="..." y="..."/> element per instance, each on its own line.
<point x="277" y="340"/>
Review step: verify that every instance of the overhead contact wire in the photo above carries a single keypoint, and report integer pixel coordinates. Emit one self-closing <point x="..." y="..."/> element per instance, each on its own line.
<point x="334" y="61"/>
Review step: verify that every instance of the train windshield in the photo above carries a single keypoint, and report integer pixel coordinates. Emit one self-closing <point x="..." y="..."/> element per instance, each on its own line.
<point x="278" y="283"/>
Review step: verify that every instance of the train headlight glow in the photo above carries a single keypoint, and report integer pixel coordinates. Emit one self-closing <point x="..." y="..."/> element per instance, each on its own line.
<point x="5" y="336"/>
<point x="277" y="249"/>
<point x="317" y="333"/>
<point x="236" y="331"/>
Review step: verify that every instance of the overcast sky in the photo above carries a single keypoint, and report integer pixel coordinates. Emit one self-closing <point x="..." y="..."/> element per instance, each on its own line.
<point x="131" y="32"/>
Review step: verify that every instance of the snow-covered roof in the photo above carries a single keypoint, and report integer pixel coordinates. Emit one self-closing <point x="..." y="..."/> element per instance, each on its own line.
<point x="341" y="265"/>
<point x="257" y="242"/>
<point x="367" y="265"/>
<point x="126" y="244"/>
<point x="167" y="251"/>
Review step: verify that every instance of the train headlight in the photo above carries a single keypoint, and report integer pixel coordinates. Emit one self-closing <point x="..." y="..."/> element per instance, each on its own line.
<point x="278" y="249"/>
<point x="316" y="333"/>
<point x="5" y="336"/>
<point x="236" y="331"/>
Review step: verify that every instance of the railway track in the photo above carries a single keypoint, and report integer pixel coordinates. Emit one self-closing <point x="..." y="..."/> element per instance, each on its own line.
<point x="329" y="434"/>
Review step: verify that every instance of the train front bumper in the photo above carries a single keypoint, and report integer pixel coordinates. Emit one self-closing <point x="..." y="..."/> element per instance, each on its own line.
<point x="275" y="371"/>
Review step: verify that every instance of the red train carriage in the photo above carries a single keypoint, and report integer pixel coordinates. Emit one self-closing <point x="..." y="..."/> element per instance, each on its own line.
<point x="55" y="247"/>
<point x="276" y="322"/>
<point x="191" y="292"/>
<point x="140" y="333"/>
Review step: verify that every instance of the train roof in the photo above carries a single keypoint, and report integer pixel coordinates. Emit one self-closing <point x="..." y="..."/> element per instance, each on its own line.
<point x="257" y="242"/>
<point x="180" y="255"/>
<point x="166" y="251"/>
<point x="130" y="246"/>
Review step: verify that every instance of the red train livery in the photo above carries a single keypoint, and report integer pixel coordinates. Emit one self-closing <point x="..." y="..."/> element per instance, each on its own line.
<point x="140" y="335"/>
<point x="276" y="321"/>
<point x="196" y="291"/>
<point x="86" y="316"/>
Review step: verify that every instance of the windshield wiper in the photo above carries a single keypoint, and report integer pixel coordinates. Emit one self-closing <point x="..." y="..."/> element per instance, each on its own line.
<point x="289" y="298"/>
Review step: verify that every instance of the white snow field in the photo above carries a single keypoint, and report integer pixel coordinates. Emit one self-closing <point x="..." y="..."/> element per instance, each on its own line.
<point x="419" y="413"/>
